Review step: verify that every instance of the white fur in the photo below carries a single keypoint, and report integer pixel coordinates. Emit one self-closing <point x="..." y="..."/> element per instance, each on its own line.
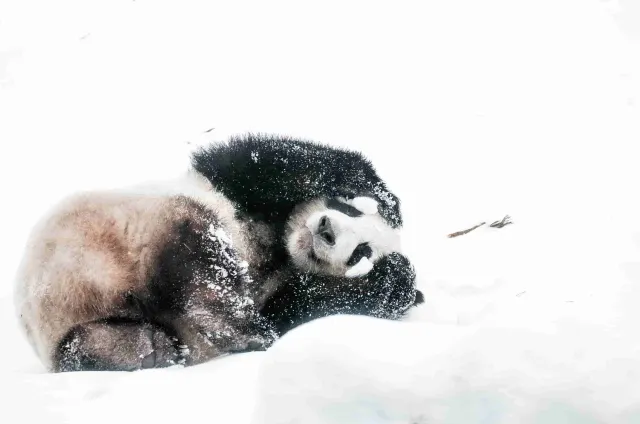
<point x="366" y="205"/>
<point x="349" y="232"/>
<point x="361" y="268"/>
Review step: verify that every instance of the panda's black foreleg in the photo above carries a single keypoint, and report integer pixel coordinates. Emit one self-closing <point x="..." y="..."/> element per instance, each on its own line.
<point x="115" y="346"/>
<point x="205" y="333"/>
<point x="387" y="291"/>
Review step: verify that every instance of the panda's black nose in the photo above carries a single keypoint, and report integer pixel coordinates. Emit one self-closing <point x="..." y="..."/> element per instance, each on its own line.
<point x="325" y="231"/>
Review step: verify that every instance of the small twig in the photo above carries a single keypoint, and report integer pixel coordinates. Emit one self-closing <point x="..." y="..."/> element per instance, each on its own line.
<point x="502" y="223"/>
<point x="497" y="224"/>
<point x="461" y="233"/>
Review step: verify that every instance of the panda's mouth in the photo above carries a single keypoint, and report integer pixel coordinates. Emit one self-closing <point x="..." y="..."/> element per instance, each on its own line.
<point x="312" y="255"/>
<point x="305" y="244"/>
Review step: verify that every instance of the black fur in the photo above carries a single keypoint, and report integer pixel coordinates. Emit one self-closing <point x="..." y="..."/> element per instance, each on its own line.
<point x="362" y="250"/>
<point x="191" y="265"/>
<point x="267" y="177"/>
<point x="387" y="291"/>
<point x="343" y="207"/>
<point x="91" y="347"/>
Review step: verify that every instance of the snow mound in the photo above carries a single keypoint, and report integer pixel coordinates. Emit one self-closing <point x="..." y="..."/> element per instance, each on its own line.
<point x="362" y="370"/>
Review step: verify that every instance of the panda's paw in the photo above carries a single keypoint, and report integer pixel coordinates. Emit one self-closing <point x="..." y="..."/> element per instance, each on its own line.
<point x="165" y="351"/>
<point x="396" y="280"/>
<point x="264" y="334"/>
<point x="402" y="283"/>
<point x="259" y="335"/>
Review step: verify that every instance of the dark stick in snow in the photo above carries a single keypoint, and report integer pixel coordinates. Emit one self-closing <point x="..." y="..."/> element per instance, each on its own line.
<point x="502" y="223"/>
<point x="461" y="233"/>
<point x="497" y="224"/>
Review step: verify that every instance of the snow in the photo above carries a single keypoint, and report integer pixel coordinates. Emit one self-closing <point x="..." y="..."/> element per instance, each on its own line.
<point x="469" y="110"/>
<point x="391" y="372"/>
<point x="221" y="235"/>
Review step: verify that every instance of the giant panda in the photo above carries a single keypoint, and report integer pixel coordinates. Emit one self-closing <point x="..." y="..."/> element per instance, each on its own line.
<point x="263" y="234"/>
<point x="297" y="186"/>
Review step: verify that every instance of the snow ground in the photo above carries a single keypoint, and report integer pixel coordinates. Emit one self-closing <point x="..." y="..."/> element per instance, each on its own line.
<point x="470" y="110"/>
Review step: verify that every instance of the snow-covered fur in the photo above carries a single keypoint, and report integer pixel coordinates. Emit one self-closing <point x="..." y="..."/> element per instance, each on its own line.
<point x="335" y="226"/>
<point x="134" y="279"/>
<point x="255" y="240"/>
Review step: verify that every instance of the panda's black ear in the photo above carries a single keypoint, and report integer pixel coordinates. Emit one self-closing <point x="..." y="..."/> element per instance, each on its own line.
<point x="390" y="209"/>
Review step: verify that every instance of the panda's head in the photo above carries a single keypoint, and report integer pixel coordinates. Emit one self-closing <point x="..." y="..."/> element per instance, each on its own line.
<point x="339" y="237"/>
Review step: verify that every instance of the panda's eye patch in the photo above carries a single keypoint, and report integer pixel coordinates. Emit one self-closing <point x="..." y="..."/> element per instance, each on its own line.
<point x="346" y="209"/>
<point x="363" y="250"/>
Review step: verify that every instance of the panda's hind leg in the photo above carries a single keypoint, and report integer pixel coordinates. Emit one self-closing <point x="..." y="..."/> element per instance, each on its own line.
<point x="115" y="345"/>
